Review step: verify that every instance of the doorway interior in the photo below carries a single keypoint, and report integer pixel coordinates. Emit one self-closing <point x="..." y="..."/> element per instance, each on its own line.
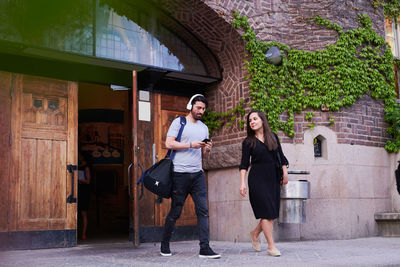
<point x="103" y="136"/>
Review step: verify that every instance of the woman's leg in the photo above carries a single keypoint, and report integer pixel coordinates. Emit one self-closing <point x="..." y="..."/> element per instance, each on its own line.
<point x="84" y="223"/>
<point x="256" y="232"/>
<point x="268" y="228"/>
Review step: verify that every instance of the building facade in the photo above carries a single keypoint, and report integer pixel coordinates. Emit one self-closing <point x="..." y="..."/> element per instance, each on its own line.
<point x="352" y="180"/>
<point x="55" y="81"/>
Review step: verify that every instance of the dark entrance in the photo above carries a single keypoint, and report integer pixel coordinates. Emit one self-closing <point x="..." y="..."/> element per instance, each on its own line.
<point x="103" y="137"/>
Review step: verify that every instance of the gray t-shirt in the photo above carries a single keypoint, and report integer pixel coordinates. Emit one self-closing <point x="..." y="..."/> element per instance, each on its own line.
<point x="188" y="160"/>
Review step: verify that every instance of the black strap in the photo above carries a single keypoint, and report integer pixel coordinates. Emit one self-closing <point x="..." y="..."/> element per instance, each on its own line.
<point x="397" y="174"/>
<point x="278" y="156"/>
<point x="171" y="153"/>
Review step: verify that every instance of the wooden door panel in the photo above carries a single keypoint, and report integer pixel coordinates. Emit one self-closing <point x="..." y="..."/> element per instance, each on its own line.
<point x="43" y="180"/>
<point x="5" y="128"/>
<point x="44" y="112"/>
<point x="29" y="186"/>
<point x="44" y="134"/>
<point x="45" y="142"/>
<point x="45" y="87"/>
<point x="72" y="153"/>
<point x="43" y="176"/>
<point x="58" y="187"/>
<point x="169" y="108"/>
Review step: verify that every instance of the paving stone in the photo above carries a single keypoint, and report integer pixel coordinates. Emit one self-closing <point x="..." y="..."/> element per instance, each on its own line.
<point x="375" y="251"/>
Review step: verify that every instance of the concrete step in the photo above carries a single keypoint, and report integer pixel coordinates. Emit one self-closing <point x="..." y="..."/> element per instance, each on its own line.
<point x="388" y="223"/>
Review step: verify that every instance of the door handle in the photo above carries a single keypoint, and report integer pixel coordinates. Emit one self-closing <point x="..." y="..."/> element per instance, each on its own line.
<point x="129" y="181"/>
<point x="137" y="176"/>
<point x="71" y="168"/>
<point x="141" y="189"/>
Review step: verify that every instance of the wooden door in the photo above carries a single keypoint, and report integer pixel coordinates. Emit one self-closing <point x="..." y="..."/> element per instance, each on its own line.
<point x="168" y="108"/>
<point x="44" y="141"/>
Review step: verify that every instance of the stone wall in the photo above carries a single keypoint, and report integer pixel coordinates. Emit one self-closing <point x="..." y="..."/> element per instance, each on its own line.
<point x="348" y="185"/>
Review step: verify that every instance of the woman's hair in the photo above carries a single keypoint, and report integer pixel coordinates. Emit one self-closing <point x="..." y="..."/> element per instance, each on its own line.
<point x="269" y="138"/>
<point x="84" y="156"/>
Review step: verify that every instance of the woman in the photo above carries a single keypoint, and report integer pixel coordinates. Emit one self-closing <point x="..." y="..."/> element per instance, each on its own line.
<point x="83" y="191"/>
<point x="262" y="146"/>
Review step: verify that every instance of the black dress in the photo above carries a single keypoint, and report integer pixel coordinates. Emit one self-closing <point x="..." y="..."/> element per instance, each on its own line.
<point x="264" y="185"/>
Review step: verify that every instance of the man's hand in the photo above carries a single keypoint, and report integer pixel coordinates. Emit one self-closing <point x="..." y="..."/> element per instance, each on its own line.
<point x="208" y="146"/>
<point x="198" y="144"/>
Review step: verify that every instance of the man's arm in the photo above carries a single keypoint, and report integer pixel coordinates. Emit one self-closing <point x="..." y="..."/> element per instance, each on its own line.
<point x="171" y="143"/>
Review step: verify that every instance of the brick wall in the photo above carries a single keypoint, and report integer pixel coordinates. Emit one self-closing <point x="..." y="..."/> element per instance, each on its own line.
<point x="281" y="21"/>
<point x="360" y="124"/>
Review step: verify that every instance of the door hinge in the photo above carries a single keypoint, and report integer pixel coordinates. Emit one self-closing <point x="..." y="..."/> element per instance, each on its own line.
<point x="10" y="138"/>
<point x="8" y="217"/>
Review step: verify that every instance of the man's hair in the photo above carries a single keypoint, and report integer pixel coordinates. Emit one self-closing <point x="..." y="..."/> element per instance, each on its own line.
<point x="201" y="99"/>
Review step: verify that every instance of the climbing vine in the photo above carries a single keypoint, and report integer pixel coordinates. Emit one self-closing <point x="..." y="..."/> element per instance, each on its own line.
<point x="359" y="63"/>
<point x="391" y="8"/>
<point x="215" y="120"/>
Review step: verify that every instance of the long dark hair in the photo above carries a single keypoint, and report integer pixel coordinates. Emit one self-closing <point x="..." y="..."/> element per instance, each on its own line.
<point x="84" y="160"/>
<point x="269" y="138"/>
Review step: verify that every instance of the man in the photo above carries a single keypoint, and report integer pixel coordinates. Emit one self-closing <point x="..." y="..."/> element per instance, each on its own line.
<point x="188" y="175"/>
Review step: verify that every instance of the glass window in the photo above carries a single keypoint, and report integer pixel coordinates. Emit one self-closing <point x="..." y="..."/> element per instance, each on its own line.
<point x="392" y="36"/>
<point x="393" y="39"/>
<point x="142" y="39"/>
<point x="60" y="25"/>
<point x="87" y="28"/>
<point x="317" y="147"/>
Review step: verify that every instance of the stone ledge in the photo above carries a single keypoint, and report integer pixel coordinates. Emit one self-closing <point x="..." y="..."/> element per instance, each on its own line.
<point x="387" y="216"/>
<point x="223" y="157"/>
<point x="388" y="223"/>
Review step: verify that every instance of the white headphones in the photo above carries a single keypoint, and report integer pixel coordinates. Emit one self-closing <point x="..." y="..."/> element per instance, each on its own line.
<point x="189" y="105"/>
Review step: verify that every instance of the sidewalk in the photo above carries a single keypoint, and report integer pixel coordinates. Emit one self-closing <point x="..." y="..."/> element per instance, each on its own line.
<point x="375" y="251"/>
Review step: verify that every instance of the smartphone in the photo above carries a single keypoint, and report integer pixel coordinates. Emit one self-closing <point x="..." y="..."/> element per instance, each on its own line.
<point x="206" y="140"/>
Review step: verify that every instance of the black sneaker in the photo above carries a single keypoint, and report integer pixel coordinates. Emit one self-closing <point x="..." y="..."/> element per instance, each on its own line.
<point x="165" y="251"/>
<point x="208" y="253"/>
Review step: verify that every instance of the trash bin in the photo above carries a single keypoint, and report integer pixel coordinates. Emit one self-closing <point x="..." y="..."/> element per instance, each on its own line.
<point x="293" y="200"/>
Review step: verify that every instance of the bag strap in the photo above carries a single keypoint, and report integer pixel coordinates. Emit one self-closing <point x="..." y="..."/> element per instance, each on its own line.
<point x="171" y="153"/>
<point x="278" y="156"/>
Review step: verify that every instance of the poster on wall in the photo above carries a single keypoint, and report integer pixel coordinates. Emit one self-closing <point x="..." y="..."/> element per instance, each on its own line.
<point x="101" y="135"/>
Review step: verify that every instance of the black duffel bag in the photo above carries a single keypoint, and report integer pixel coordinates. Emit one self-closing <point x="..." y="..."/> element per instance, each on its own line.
<point x="158" y="178"/>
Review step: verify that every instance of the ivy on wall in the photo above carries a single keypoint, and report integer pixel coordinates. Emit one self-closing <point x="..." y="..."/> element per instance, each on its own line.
<point x="359" y="63"/>
<point x="391" y="8"/>
<point x="215" y="120"/>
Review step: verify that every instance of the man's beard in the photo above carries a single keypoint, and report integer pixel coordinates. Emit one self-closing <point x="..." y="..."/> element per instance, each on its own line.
<point x="195" y="116"/>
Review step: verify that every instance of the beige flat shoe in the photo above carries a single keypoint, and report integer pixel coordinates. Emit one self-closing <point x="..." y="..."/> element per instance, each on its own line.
<point x="274" y="252"/>
<point x="256" y="244"/>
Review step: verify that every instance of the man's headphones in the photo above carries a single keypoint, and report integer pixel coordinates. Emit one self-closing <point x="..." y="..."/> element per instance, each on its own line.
<point x="189" y="105"/>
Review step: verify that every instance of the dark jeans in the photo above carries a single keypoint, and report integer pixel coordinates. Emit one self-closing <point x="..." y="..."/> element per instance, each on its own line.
<point x="185" y="183"/>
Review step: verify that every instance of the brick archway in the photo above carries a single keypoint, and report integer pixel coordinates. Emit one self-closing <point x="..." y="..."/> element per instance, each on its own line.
<point x="214" y="29"/>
